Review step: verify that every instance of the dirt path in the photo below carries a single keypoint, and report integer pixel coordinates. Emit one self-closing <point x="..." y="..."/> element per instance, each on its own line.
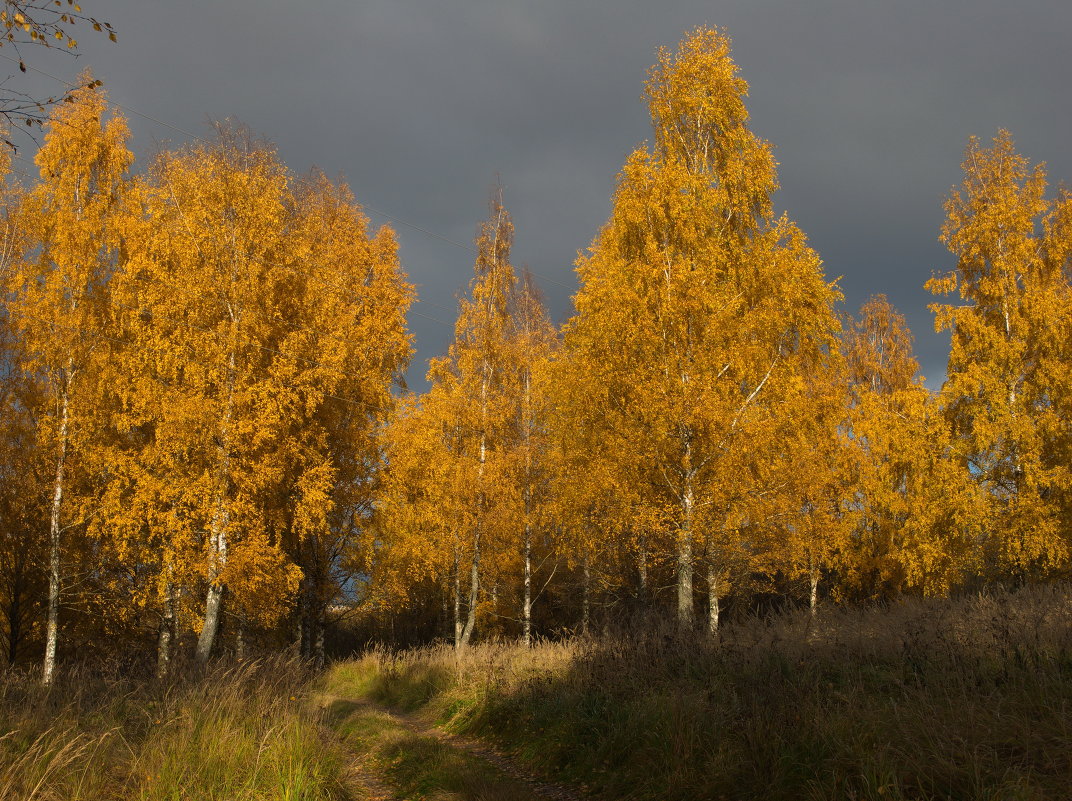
<point x="367" y="772"/>
<point x="366" y="784"/>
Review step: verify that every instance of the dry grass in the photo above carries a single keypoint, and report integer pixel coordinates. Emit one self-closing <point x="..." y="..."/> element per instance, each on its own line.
<point x="235" y="732"/>
<point x="962" y="699"/>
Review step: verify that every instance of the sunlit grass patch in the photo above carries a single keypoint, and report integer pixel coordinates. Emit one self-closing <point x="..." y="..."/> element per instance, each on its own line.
<point x="236" y="732"/>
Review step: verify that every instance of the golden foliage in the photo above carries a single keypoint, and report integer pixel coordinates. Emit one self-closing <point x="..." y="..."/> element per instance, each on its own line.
<point x="199" y="367"/>
<point x="1008" y="362"/>
<point x="699" y="313"/>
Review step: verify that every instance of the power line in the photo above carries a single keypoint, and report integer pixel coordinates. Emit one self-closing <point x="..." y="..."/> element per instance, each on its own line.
<point x="392" y="217"/>
<point x="351" y="401"/>
<point x="250" y="256"/>
<point x="433" y="319"/>
<point x="365" y="405"/>
<point x="306" y="183"/>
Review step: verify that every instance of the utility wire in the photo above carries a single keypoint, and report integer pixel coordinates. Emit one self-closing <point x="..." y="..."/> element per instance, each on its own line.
<point x="297" y="179"/>
<point x="361" y="404"/>
<point x="351" y="401"/>
<point x="250" y="256"/>
<point x="392" y="217"/>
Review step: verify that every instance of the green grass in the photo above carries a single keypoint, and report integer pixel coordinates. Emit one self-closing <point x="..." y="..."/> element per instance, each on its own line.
<point x="416" y="765"/>
<point x="236" y="733"/>
<point x="966" y="699"/>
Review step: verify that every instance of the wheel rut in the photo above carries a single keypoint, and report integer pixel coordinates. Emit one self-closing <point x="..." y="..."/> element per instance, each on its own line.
<point x="372" y="776"/>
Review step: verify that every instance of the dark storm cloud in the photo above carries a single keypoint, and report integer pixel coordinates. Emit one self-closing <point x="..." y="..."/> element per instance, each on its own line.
<point x="869" y="105"/>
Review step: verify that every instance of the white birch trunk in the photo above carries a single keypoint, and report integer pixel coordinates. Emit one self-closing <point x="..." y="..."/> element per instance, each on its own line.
<point x="712" y="599"/>
<point x="207" y="638"/>
<point x="240" y="642"/>
<point x="52" y="628"/>
<point x="642" y="569"/>
<point x="814" y="601"/>
<point x="586" y="598"/>
<point x="446" y="604"/>
<point x="685" y="612"/>
<point x="474" y="593"/>
<point x="474" y="570"/>
<point x="474" y="573"/>
<point x="318" y="642"/>
<point x="218" y="531"/>
<point x="458" y="627"/>
<point x="301" y="626"/>
<point x="167" y="634"/>
<point x="526" y="605"/>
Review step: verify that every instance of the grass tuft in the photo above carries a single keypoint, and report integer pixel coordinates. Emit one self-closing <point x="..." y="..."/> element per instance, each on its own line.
<point x="238" y="732"/>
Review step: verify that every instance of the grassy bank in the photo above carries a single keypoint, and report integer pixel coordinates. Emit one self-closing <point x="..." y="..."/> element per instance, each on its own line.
<point x="233" y="733"/>
<point x="964" y="699"/>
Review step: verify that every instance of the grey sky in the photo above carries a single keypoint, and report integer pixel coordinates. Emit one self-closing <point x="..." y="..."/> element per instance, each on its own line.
<point x="420" y="104"/>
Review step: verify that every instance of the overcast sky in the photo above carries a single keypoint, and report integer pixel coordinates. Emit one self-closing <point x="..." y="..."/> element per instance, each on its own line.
<point x="419" y="105"/>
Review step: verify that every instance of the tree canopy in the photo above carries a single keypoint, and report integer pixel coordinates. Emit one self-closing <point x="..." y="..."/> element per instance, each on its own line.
<point x="206" y="443"/>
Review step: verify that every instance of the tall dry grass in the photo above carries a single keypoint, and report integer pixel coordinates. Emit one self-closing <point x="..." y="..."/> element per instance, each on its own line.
<point x="234" y="732"/>
<point x="963" y="699"/>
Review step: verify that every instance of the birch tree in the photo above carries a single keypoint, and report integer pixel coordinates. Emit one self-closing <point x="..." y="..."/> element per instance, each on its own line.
<point x="210" y="285"/>
<point x="533" y="341"/>
<point x="450" y="501"/>
<point x="696" y="304"/>
<point x="997" y="395"/>
<point x="24" y="485"/>
<point x="60" y="290"/>
<point x="474" y="377"/>
<point x="345" y="348"/>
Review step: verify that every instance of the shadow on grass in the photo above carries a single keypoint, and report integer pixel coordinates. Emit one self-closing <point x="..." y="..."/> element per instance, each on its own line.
<point x="417" y="765"/>
<point x="964" y="699"/>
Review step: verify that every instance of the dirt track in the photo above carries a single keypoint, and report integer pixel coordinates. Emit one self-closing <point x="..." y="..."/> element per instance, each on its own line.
<point x="370" y="784"/>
